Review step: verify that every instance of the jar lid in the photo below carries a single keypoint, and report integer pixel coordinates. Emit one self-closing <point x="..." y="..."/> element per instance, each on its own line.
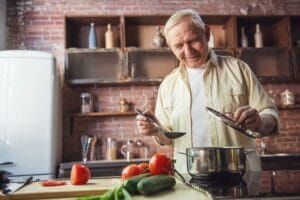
<point x="86" y="94"/>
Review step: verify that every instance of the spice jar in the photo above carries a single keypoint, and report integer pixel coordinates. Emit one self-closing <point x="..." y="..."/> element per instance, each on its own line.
<point x="124" y="107"/>
<point x="287" y="98"/>
<point x="87" y="104"/>
<point x="111" y="150"/>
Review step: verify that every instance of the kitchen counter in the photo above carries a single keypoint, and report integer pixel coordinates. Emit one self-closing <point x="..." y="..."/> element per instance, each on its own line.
<point x="280" y="161"/>
<point x="255" y="185"/>
<point x="100" y="168"/>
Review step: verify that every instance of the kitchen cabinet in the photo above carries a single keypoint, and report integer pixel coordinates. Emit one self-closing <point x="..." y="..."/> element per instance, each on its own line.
<point x="134" y="60"/>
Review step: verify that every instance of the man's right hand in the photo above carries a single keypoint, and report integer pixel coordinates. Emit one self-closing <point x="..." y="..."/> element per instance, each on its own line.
<point x="145" y="127"/>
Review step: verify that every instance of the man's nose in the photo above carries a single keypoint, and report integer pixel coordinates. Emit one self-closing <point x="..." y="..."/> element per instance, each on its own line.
<point x="188" y="49"/>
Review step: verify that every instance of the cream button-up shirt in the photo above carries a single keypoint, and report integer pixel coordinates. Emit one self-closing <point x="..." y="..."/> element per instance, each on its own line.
<point x="229" y="84"/>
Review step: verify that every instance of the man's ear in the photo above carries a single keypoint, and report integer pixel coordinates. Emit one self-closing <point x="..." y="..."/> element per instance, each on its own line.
<point x="207" y="32"/>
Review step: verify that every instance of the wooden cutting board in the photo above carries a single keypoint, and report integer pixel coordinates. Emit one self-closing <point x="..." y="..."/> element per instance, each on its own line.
<point x="99" y="186"/>
<point x="36" y="191"/>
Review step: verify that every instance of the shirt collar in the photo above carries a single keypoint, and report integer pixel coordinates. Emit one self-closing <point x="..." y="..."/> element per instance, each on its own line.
<point x="212" y="62"/>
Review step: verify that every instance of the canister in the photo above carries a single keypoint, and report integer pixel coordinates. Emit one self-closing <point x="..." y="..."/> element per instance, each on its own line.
<point x="87" y="102"/>
<point x="111" y="150"/>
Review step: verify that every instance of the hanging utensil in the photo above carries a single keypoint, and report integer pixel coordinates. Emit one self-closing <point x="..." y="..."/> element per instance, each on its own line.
<point x="84" y="145"/>
<point x="171" y="135"/>
<point x="228" y="121"/>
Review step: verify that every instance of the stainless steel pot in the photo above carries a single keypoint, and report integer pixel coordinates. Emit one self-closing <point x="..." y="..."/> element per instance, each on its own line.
<point x="216" y="161"/>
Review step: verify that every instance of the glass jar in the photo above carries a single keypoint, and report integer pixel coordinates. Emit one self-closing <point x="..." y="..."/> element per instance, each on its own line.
<point x="287" y="98"/>
<point x="143" y="149"/>
<point x="111" y="150"/>
<point x="87" y="104"/>
<point x="128" y="150"/>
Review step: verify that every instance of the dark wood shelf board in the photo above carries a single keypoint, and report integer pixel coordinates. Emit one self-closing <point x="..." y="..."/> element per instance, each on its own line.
<point x="97" y="50"/>
<point x="296" y="106"/>
<point x="97" y="82"/>
<point x="139" y="49"/>
<point x="104" y="114"/>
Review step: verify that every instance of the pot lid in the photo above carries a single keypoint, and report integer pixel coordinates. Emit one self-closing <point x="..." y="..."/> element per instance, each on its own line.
<point x="229" y="122"/>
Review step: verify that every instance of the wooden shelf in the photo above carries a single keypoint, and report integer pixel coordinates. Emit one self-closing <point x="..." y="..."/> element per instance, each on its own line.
<point x="296" y="106"/>
<point x="102" y="83"/>
<point x="104" y="114"/>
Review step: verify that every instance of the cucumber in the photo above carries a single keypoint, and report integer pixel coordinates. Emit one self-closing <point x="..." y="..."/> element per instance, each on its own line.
<point x="131" y="183"/>
<point x="154" y="184"/>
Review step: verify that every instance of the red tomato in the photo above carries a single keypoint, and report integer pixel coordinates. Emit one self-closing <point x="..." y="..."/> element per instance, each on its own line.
<point x="160" y="164"/>
<point x="143" y="167"/>
<point x="80" y="174"/>
<point x="52" y="183"/>
<point x="130" y="170"/>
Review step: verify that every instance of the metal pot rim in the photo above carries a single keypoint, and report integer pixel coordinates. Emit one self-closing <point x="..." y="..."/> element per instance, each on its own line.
<point x="204" y="148"/>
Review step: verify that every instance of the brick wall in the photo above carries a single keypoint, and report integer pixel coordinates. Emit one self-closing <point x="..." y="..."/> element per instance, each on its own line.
<point x="39" y="25"/>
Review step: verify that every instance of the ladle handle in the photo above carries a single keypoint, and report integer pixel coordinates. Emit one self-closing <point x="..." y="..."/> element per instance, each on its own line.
<point x="146" y="116"/>
<point x="149" y="118"/>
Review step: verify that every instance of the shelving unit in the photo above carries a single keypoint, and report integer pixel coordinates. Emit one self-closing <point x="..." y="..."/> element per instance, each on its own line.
<point x="77" y="30"/>
<point x="273" y="28"/>
<point x="134" y="60"/>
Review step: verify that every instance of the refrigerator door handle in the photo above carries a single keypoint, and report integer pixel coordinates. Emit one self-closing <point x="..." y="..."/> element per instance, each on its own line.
<point x="7" y="163"/>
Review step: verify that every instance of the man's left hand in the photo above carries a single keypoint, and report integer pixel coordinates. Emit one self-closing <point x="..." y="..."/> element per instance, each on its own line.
<point x="248" y="117"/>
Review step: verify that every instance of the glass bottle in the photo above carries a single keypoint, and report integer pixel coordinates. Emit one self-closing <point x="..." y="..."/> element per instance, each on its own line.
<point x="92" y="37"/>
<point x="109" y="37"/>
<point x="258" y="37"/>
<point x="244" y="38"/>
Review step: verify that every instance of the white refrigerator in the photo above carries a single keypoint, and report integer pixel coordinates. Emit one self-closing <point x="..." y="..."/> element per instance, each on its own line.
<point x="30" y="114"/>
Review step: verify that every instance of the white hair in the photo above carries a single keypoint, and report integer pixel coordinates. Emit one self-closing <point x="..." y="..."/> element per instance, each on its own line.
<point x="184" y="14"/>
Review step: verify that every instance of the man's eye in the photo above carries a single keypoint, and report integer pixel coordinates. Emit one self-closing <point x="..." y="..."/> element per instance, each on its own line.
<point x="177" y="47"/>
<point x="196" y="41"/>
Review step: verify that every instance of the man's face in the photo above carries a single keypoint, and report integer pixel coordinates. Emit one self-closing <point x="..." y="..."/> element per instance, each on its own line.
<point x="188" y="43"/>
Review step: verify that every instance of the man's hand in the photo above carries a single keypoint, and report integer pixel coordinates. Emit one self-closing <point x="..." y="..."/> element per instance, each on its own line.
<point x="145" y="127"/>
<point x="248" y="117"/>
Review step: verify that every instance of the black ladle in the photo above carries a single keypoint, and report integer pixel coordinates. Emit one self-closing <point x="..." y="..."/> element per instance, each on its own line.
<point x="171" y="135"/>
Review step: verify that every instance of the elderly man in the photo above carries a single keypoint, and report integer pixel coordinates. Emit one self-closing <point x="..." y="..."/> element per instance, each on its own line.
<point x="205" y="79"/>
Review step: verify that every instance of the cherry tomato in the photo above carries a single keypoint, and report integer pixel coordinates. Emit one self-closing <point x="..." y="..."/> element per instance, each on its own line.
<point x="160" y="164"/>
<point x="130" y="170"/>
<point x="53" y="183"/>
<point x="80" y="174"/>
<point x="143" y="167"/>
